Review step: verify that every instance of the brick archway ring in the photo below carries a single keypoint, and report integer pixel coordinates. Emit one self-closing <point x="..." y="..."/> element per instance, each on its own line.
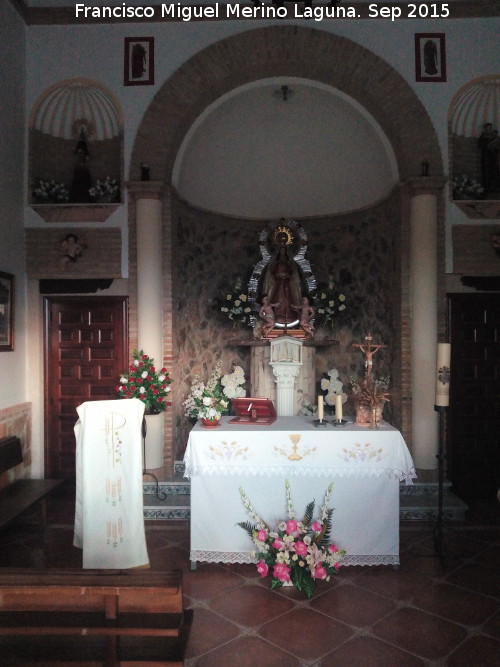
<point x="286" y="51"/>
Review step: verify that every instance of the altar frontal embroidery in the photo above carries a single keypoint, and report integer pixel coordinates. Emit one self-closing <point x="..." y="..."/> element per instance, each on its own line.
<point x="364" y="452"/>
<point x="294" y="454"/>
<point x="228" y="451"/>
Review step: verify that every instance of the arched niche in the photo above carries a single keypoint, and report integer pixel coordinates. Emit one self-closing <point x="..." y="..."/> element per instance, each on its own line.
<point x="474" y="163"/>
<point x="212" y="73"/>
<point x="76" y="124"/>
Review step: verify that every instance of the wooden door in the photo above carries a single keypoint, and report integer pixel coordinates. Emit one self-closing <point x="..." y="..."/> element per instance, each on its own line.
<point x="474" y="415"/>
<point x="85" y="351"/>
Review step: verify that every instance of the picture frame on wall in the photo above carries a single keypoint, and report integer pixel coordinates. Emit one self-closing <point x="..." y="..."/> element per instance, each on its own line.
<point x="139" y="61"/>
<point x="430" y="56"/>
<point x="6" y="312"/>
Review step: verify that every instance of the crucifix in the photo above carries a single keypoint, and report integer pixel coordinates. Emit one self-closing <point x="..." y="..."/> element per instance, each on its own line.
<point x="368" y="349"/>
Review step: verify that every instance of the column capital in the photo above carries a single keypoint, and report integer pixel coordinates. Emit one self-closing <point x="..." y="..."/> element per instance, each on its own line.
<point x="146" y="189"/>
<point x="425" y="185"/>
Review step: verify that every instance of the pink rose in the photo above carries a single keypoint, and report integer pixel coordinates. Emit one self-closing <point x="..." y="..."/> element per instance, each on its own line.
<point x="291" y="527"/>
<point x="317" y="527"/>
<point x="262" y="535"/>
<point x="281" y="572"/>
<point x="262" y="568"/>
<point x="337" y="566"/>
<point x="277" y="544"/>
<point x="320" y="572"/>
<point x="300" y="548"/>
<point x="333" y="549"/>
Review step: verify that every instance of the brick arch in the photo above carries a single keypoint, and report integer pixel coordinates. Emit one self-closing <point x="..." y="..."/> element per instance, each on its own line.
<point x="286" y="51"/>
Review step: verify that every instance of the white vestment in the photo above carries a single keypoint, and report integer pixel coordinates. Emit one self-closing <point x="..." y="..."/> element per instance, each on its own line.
<point x="109" y="517"/>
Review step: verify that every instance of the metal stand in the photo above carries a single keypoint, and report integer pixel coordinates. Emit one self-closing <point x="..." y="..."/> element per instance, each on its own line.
<point x="161" y="495"/>
<point x="439" y="528"/>
<point x="319" y="423"/>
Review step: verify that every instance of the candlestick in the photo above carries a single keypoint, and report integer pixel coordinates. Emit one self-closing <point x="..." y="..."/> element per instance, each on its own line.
<point x="338" y="407"/>
<point x="443" y="359"/>
<point x="320" y="408"/>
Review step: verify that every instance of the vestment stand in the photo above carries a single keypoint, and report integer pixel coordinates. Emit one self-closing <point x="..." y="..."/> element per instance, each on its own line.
<point x="161" y="495"/>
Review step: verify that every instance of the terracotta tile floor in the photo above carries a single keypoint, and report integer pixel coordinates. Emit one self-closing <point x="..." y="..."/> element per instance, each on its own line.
<point x="424" y="613"/>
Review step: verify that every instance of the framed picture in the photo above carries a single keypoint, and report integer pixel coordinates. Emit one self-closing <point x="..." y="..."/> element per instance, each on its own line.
<point x="430" y="56"/>
<point x="139" y="61"/>
<point x="6" y="312"/>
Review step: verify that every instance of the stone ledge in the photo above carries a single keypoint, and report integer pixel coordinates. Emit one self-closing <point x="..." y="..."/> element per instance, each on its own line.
<point x="74" y="212"/>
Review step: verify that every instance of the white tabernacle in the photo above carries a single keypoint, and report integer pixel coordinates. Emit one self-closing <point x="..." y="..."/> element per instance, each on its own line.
<point x="366" y="466"/>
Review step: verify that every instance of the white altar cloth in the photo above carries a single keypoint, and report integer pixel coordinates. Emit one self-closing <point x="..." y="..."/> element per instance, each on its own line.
<point x="366" y="466"/>
<point x="109" y="517"/>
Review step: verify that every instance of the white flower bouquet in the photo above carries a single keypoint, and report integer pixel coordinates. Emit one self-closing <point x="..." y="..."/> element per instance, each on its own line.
<point x="46" y="192"/>
<point x="234" y="305"/>
<point x="206" y="400"/>
<point x="328" y="302"/>
<point x="231" y="383"/>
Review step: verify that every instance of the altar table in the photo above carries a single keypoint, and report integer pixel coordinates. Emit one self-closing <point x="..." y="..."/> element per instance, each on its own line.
<point x="366" y="466"/>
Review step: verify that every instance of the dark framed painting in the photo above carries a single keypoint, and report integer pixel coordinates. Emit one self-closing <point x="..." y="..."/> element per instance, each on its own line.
<point x="139" y="61"/>
<point x="430" y="56"/>
<point x="6" y="312"/>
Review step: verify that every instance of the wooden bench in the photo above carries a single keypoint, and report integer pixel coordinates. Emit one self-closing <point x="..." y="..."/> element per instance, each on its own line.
<point x="94" y="617"/>
<point x="19" y="496"/>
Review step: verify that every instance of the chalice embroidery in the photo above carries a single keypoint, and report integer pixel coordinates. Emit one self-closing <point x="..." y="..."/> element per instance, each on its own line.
<point x="294" y="454"/>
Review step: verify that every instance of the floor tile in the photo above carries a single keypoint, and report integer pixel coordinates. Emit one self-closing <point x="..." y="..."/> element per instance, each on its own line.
<point x="209" y="580"/>
<point x="492" y="626"/>
<point x="422" y="634"/>
<point x="247" y="652"/>
<point x="353" y="605"/>
<point x="250" y="606"/>
<point x="370" y="652"/>
<point x="208" y="630"/>
<point x="305" y="633"/>
<point x="456" y="604"/>
<point x="481" y="651"/>
<point x="477" y="577"/>
<point x="398" y="584"/>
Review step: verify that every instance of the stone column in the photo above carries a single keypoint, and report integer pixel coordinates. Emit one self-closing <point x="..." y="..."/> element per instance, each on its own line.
<point x="424" y="326"/>
<point x="285" y="374"/>
<point x="149" y="297"/>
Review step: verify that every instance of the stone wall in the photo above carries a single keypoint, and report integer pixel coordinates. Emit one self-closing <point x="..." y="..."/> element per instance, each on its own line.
<point x="361" y="251"/>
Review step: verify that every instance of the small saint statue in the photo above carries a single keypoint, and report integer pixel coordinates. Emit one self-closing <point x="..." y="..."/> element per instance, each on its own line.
<point x="72" y="247"/>
<point x="266" y="312"/>
<point x="306" y="314"/>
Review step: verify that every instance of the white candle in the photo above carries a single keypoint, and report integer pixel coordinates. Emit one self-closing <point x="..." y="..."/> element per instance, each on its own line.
<point x="338" y="407"/>
<point x="443" y="359"/>
<point x="320" y="408"/>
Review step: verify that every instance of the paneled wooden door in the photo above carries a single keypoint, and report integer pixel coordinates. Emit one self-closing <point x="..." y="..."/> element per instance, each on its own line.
<point x="474" y="414"/>
<point x="86" y="349"/>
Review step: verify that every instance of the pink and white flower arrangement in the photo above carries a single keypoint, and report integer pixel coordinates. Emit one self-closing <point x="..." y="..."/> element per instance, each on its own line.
<point x="296" y="551"/>
<point x="144" y="382"/>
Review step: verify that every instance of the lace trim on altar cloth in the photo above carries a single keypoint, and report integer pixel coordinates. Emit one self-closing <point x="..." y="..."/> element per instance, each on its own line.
<point x="246" y="557"/>
<point x="283" y="471"/>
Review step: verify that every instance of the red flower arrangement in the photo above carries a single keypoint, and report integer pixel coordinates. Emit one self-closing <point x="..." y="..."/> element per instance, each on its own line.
<point x="144" y="382"/>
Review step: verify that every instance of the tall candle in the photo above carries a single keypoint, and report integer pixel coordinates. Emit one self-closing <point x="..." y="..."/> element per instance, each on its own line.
<point x="338" y="407"/>
<point x="320" y="408"/>
<point x="443" y="359"/>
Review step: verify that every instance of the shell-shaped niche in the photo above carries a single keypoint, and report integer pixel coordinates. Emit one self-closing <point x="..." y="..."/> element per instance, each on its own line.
<point x="76" y="140"/>
<point x="474" y="121"/>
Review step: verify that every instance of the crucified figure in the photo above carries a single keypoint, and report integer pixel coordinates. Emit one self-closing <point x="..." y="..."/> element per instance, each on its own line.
<point x="368" y="350"/>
